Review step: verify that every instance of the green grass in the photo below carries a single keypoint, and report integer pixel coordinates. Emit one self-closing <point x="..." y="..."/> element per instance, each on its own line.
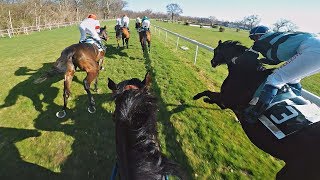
<point x="207" y="141"/>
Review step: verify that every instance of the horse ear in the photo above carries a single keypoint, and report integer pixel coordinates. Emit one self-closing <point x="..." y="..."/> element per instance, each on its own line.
<point x="220" y="41"/>
<point x="147" y="80"/>
<point x="112" y="85"/>
<point x="104" y="27"/>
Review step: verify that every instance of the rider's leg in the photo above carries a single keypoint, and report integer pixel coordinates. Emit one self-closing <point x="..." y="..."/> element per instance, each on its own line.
<point x="303" y="64"/>
<point x="82" y="35"/>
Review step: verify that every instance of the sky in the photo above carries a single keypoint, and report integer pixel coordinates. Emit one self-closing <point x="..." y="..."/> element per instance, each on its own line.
<point x="304" y="13"/>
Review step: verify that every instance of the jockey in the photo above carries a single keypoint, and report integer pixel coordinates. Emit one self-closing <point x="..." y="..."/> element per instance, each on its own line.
<point x="118" y="24"/>
<point x="301" y="53"/>
<point x="125" y="21"/>
<point x="90" y="26"/>
<point x="138" y="22"/>
<point x="145" y="23"/>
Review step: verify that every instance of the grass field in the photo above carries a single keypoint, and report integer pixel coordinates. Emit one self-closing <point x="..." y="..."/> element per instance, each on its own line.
<point x="207" y="141"/>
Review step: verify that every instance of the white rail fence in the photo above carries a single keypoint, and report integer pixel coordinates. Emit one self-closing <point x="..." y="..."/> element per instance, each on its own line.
<point x="11" y="32"/>
<point x="157" y="30"/>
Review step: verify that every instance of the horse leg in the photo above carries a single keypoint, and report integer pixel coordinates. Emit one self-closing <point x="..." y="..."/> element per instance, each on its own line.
<point x="127" y="42"/>
<point x="91" y="75"/>
<point x="66" y="92"/>
<point x="118" y="43"/>
<point x="96" y="80"/>
<point x="149" y="43"/>
<point x="122" y="42"/>
<point x="211" y="98"/>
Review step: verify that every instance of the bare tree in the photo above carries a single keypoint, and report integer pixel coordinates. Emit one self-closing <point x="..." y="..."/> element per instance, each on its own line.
<point x="251" y="21"/>
<point x="284" y="25"/>
<point x="174" y="9"/>
<point x="213" y="20"/>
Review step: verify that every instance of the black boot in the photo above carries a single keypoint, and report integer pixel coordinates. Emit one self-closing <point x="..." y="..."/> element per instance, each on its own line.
<point x="267" y="95"/>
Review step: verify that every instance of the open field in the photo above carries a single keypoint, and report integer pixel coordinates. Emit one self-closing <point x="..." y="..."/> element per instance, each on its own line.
<point x="206" y="140"/>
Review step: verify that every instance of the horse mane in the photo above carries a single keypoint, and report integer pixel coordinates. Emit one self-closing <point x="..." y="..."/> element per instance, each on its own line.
<point x="137" y="110"/>
<point x="237" y="44"/>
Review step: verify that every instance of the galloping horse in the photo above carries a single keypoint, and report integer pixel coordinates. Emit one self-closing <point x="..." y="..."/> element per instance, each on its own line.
<point x="87" y="57"/>
<point x="300" y="150"/>
<point x="145" y="36"/>
<point x="137" y="145"/>
<point x="122" y="33"/>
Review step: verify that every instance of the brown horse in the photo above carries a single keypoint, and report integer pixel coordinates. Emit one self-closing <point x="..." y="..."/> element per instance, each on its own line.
<point x="145" y="36"/>
<point x="84" y="56"/>
<point x="122" y="33"/>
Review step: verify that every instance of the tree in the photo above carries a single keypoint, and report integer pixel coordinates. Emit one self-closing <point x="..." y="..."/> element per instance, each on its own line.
<point x="174" y="9"/>
<point x="284" y="25"/>
<point x="251" y="21"/>
<point x="213" y="20"/>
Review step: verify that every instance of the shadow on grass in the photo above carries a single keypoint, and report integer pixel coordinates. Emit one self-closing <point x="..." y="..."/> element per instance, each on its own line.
<point x="112" y="50"/>
<point x="11" y="164"/>
<point x="173" y="146"/>
<point x="93" y="148"/>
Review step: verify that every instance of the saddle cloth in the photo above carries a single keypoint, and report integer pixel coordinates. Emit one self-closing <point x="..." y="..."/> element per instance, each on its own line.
<point x="95" y="42"/>
<point x="289" y="113"/>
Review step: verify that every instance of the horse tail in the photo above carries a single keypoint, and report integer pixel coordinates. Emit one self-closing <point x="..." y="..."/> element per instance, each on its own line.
<point x="52" y="72"/>
<point x="172" y="168"/>
<point x="59" y="67"/>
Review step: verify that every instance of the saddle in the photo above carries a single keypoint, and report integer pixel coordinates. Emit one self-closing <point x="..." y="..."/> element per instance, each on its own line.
<point x="287" y="113"/>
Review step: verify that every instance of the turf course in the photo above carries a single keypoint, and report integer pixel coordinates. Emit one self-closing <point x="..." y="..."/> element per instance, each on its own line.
<point x="206" y="140"/>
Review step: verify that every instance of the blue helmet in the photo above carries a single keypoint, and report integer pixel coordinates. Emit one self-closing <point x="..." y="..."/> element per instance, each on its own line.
<point x="259" y="30"/>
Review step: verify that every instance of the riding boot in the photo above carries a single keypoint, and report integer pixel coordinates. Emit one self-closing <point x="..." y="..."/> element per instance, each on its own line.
<point x="267" y="95"/>
<point x="296" y="88"/>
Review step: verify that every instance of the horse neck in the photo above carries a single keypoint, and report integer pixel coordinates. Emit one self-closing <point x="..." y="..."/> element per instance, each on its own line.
<point x="136" y="111"/>
<point x="243" y="80"/>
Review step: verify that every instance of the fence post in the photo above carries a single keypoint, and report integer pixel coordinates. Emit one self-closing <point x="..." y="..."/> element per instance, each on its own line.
<point x="177" y="43"/>
<point x="195" y="57"/>
<point x="166" y="35"/>
<point x="9" y="33"/>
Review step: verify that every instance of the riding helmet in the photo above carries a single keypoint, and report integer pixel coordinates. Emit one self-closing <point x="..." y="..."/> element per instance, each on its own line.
<point x="93" y="16"/>
<point x="259" y="30"/>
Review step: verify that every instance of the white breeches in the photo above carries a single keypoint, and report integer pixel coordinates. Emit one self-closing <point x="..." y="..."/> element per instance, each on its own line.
<point x="91" y="31"/>
<point x="305" y="63"/>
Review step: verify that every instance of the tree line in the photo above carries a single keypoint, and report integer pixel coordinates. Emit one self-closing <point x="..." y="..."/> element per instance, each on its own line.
<point x="42" y="12"/>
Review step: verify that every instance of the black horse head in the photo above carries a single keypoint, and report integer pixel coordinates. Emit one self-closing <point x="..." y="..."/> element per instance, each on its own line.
<point x="103" y="33"/>
<point x="226" y="51"/>
<point x="132" y="84"/>
<point x="137" y="145"/>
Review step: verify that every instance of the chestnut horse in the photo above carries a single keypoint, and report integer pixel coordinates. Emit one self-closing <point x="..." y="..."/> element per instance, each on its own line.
<point x="300" y="150"/>
<point x="122" y="33"/>
<point x="87" y="57"/>
<point x="145" y="36"/>
<point x="138" y="150"/>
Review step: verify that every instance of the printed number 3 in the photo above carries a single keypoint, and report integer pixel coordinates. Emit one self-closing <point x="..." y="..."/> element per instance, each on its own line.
<point x="285" y="117"/>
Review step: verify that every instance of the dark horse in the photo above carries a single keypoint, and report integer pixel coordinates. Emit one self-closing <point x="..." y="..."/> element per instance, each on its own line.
<point x="122" y="33"/>
<point x="84" y="56"/>
<point x="300" y="151"/>
<point x="137" y="145"/>
<point x="145" y="36"/>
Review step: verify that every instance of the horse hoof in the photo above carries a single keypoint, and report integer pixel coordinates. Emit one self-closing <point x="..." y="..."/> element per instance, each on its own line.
<point x="91" y="109"/>
<point x="61" y="114"/>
